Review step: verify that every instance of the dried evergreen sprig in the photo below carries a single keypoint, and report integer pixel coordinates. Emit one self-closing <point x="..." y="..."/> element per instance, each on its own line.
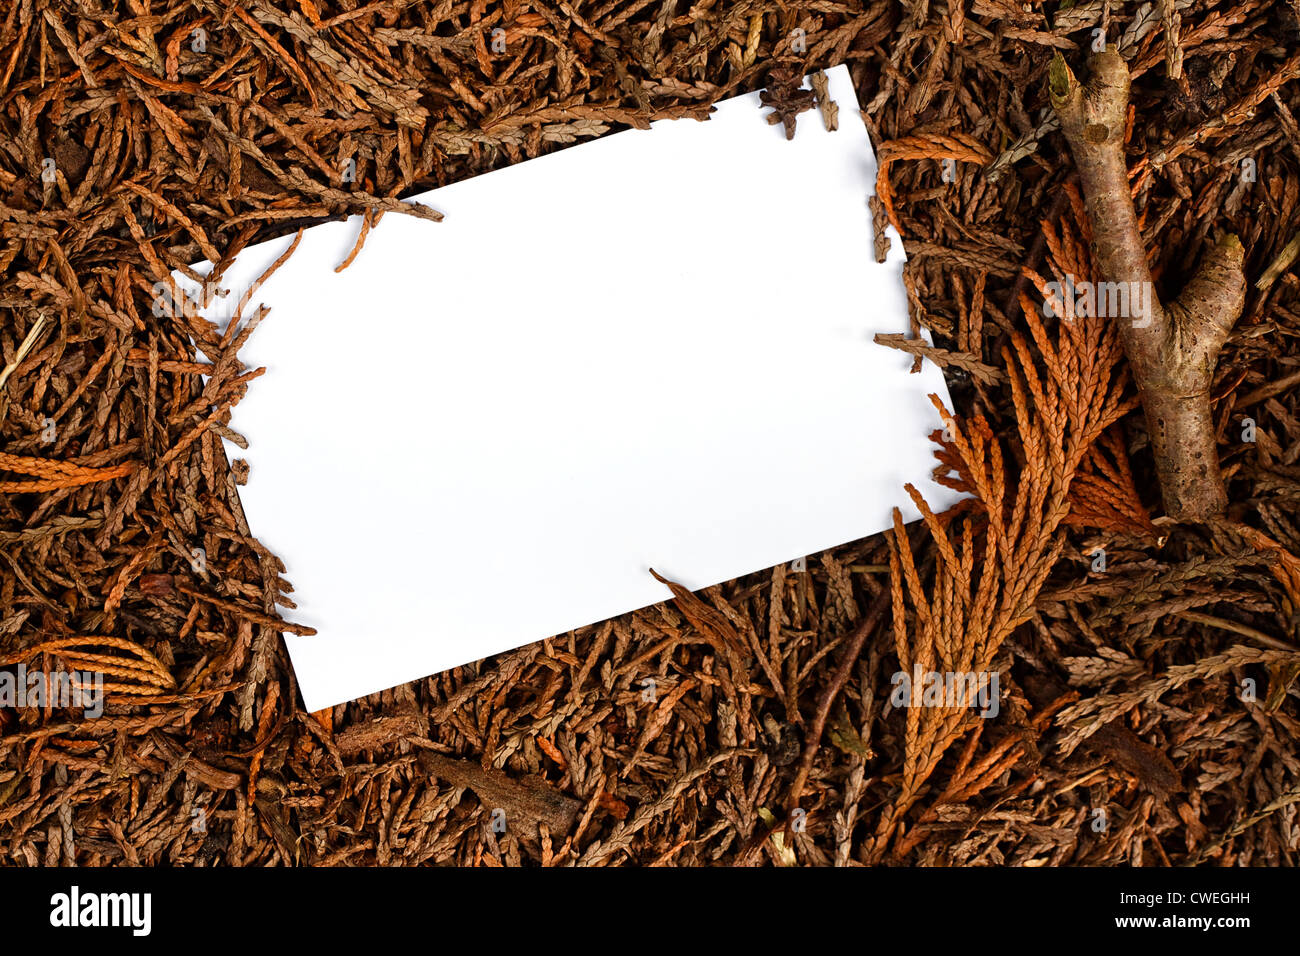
<point x="1104" y="494"/>
<point x="143" y="672"/>
<point x="1085" y="718"/>
<point x="1140" y="593"/>
<point x="991" y="565"/>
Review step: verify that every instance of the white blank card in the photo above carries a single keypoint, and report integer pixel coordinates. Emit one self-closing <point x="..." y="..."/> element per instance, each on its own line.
<point x="650" y="350"/>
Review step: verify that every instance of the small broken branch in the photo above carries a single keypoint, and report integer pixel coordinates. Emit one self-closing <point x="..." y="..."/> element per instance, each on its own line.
<point x="1172" y="348"/>
<point x="529" y="801"/>
<point x="852" y="651"/>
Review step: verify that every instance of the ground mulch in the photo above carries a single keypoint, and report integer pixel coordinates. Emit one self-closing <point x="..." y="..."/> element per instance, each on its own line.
<point x="1150" y="708"/>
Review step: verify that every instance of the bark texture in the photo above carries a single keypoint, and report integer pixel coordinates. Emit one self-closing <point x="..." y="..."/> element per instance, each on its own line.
<point x="1172" y="348"/>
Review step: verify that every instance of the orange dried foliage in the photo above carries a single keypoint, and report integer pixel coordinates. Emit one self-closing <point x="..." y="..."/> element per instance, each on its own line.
<point x="994" y="552"/>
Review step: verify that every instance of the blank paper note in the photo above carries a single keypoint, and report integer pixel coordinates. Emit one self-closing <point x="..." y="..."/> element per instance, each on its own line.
<point x="650" y="350"/>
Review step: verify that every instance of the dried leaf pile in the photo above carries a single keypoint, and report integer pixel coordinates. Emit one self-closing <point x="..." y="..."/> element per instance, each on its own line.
<point x="1148" y="708"/>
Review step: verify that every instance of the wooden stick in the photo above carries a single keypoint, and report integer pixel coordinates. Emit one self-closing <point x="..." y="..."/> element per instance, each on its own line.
<point x="526" y="802"/>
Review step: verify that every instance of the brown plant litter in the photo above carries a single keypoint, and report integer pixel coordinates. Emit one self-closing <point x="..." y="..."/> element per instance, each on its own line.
<point x="1146" y="668"/>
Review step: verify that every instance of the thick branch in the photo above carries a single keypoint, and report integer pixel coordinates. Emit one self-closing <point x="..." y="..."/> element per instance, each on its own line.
<point x="1204" y="312"/>
<point x="1172" y="349"/>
